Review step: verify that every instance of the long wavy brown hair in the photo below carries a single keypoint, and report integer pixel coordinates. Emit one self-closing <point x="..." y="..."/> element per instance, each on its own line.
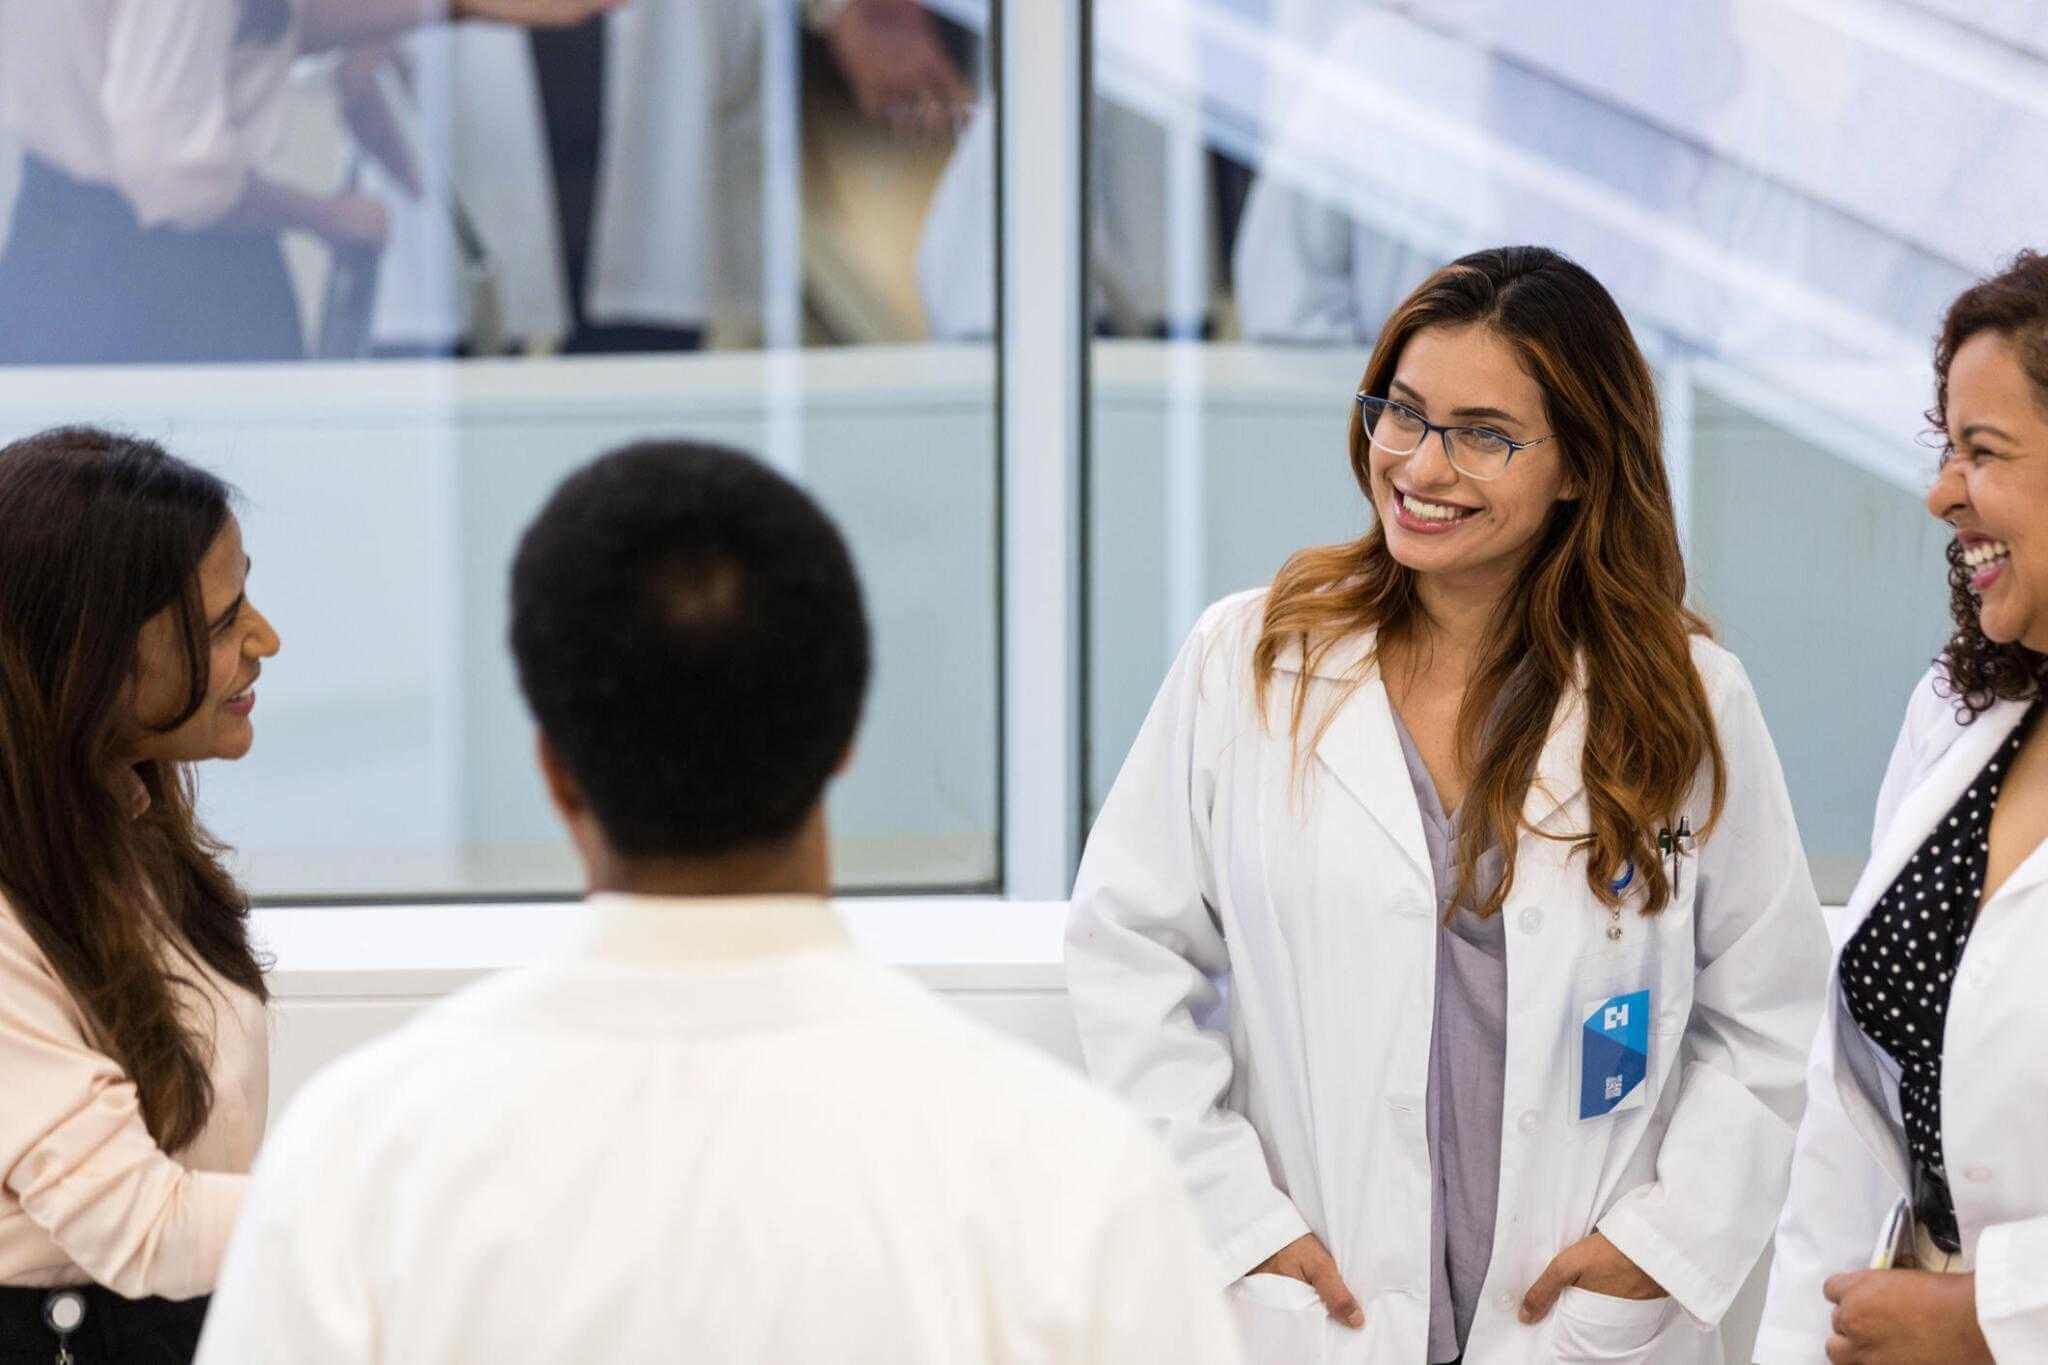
<point x="98" y="534"/>
<point x="2013" y="303"/>
<point x="1603" y="589"/>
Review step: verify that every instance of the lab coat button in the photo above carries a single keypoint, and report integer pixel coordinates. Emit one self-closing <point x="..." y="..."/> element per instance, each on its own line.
<point x="1527" y="1123"/>
<point x="1532" y="920"/>
<point x="1506" y="1303"/>
<point x="1977" y="1175"/>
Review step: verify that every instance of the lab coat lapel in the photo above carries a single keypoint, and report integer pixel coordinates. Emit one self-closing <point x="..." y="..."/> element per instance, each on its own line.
<point x="2031" y="872"/>
<point x="1560" y="768"/>
<point x="1926" y="803"/>
<point x="1363" y="751"/>
<point x="1859" y="1081"/>
<point x="1360" y="747"/>
<point x="1860" y="1090"/>
<point x="2033" y="869"/>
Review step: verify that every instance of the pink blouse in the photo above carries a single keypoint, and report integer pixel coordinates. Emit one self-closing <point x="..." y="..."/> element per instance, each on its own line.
<point x="85" y="1192"/>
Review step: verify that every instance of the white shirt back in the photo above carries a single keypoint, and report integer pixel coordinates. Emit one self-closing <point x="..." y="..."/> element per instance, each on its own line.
<point x="781" y="1153"/>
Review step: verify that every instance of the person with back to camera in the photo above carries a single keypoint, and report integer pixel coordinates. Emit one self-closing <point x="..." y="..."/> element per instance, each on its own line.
<point x="1917" y="1225"/>
<point x="134" y="1058"/>
<point x="1489" y="845"/>
<point x="713" y="1131"/>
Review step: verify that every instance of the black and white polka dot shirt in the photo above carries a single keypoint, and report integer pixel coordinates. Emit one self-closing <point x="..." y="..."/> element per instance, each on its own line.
<point x="1899" y="966"/>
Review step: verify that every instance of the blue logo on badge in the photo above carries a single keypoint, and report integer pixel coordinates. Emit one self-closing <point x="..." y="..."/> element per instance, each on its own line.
<point x="1614" y="1043"/>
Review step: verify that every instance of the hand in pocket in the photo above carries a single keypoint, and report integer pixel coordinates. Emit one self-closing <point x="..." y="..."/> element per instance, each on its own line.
<point x="1308" y="1260"/>
<point x="1593" y="1264"/>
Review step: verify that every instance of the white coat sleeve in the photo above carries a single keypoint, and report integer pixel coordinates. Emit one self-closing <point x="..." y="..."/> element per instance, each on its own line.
<point x="1839" y="1196"/>
<point x="178" y="156"/>
<point x="292" y="1286"/>
<point x="2012" y="1288"/>
<point x="1760" y="962"/>
<point x="1145" y="958"/>
<point x="1153" y="1287"/>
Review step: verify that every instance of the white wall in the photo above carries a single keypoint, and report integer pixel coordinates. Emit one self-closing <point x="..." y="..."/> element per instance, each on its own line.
<point x="347" y="975"/>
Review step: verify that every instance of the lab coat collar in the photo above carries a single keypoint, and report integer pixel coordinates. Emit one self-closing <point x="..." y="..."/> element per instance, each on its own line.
<point x="1938" y="790"/>
<point x="1560" y="767"/>
<point x="697" y="931"/>
<point x="2033" y="868"/>
<point x="1359" y="745"/>
<point x="1345" y="660"/>
<point x="1362" y="749"/>
<point x="2031" y="872"/>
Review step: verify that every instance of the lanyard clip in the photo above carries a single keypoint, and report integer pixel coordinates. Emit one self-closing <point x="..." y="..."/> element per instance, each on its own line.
<point x="63" y="1312"/>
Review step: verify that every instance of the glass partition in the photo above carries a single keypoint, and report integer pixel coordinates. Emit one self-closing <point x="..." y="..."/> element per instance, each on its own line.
<point x="395" y="285"/>
<point x="1783" y="197"/>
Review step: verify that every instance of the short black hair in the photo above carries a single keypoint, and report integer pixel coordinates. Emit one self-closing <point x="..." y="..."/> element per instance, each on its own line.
<point x="689" y="632"/>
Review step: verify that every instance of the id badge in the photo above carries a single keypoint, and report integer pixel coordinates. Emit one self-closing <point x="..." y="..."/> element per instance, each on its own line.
<point x="1614" y="1054"/>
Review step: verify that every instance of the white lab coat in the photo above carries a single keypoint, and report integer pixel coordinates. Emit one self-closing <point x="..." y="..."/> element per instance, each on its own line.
<point x="677" y="234"/>
<point x="1851" y="1163"/>
<point x="1252" y="965"/>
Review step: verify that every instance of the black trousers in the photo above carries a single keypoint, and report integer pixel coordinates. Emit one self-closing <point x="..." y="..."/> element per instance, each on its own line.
<point x="83" y="282"/>
<point x="116" y="1331"/>
<point x="570" y="65"/>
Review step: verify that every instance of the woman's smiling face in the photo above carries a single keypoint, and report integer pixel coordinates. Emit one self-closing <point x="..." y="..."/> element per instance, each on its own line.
<point x="238" y="640"/>
<point x="1993" y="488"/>
<point x="1442" y="523"/>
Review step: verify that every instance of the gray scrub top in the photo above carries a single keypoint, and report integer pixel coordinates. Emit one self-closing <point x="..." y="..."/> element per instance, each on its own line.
<point x="1467" y="1065"/>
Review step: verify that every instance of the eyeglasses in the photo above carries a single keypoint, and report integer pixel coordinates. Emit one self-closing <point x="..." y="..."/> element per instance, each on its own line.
<point x="1476" y="452"/>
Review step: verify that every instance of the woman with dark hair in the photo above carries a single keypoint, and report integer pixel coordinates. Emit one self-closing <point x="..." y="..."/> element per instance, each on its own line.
<point x="133" y="1033"/>
<point x="1448" y="916"/>
<point x="146" y="228"/>
<point x="1917" y="1227"/>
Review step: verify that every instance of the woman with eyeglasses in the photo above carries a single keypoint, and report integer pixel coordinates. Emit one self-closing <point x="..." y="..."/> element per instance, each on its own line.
<point x="134" y="1040"/>
<point x="1917" y="1226"/>
<point x="1448" y="916"/>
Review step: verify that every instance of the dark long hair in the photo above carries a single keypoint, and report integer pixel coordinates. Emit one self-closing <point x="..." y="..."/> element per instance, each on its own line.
<point x="1606" y="581"/>
<point x="2014" y="304"/>
<point x="99" y="533"/>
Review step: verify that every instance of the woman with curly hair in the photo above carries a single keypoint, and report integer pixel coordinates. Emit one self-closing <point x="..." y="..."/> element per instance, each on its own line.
<point x="1917" y="1227"/>
<point x="133" y="1035"/>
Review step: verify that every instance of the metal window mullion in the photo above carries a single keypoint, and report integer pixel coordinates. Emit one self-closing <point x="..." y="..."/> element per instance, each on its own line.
<point x="1041" y="272"/>
<point x="782" y="286"/>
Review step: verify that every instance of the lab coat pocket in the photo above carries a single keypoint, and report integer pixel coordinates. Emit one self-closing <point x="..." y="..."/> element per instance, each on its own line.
<point x="1601" y="1327"/>
<point x="1280" y="1320"/>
